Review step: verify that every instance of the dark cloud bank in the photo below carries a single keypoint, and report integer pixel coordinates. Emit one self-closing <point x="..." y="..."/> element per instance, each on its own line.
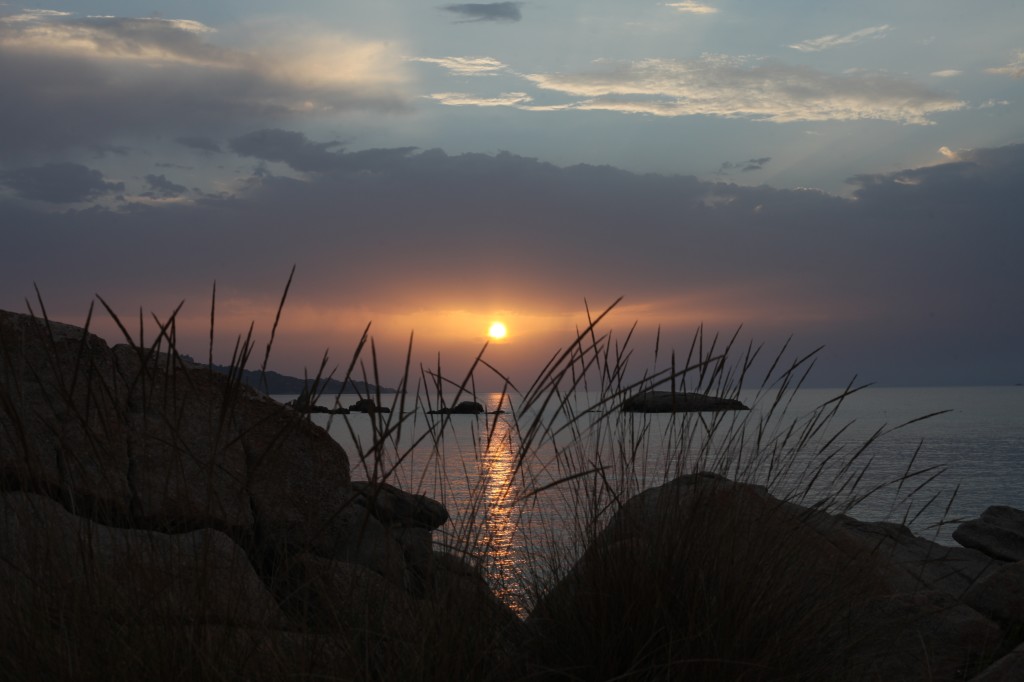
<point x="916" y="279"/>
<point x="486" y="11"/>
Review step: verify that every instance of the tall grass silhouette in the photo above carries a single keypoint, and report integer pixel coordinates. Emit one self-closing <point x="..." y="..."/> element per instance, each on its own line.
<point x="572" y="458"/>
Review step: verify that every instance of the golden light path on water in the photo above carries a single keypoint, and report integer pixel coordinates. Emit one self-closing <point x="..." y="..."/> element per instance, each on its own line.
<point x="497" y="542"/>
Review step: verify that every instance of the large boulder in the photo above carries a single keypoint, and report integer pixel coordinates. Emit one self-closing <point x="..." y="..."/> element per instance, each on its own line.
<point x="1000" y="595"/>
<point x="148" y="504"/>
<point x="51" y="559"/>
<point x="61" y="420"/>
<point x="144" y="438"/>
<point x="713" y="579"/>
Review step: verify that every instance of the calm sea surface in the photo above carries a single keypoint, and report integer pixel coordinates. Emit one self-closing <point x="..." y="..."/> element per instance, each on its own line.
<point x="501" y="482"/>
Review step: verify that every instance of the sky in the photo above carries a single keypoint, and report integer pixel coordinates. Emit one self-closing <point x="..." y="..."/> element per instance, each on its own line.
<point x="848" y="175"/>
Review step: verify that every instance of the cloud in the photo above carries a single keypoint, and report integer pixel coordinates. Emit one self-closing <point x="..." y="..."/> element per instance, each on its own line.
<point x="1015" y="68"/>
<point x="302" y="154"/>
<point x="948" y="153"/>
<point x="830" y="41"/>
<point x="924" y="258"/>
<point x="732" y="87"/>
<point x="487" y="11"/>
<point x="151" y="39"/>
<point x="461" y="99"/>
<point x="59" y="183"/>
<point x="122" y="77"/>
<point x="743" y="166"/>
<point x="466" y="66"/>
<point x="946" y="73"/>
<point x="162" y="188"/>
<point x="691" y="7"/>
<point x="289" y="147"/>
<point x="203" y="144"/>
<point x="756" y="164"/>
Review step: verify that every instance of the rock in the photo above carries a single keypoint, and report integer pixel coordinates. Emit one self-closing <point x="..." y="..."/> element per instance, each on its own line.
<point x="144" y="439"/>
<point x="306" y="404"/>
<point x="667" y="401"/>
<point x="706" y="577"/>
<point x="151" y="506"/>
<point x="911" y="636"/>
<point x="464" y="407"/>
<point x="61" y="427"/>
<point x="916" y="563"/>
<point x="394" y="506"/>
<point x="368" y="406"/>
<point x="456" y="607"/>
<point x="999" y="533"/>
<point x="342" y="595"/>
<point x="54" y="559"/>
<point x="1000" y="595"/>
<point x="1009" y="668"/>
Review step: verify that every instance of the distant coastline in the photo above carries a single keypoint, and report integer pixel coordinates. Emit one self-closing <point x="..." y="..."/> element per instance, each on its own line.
<point x="274" y="383"/>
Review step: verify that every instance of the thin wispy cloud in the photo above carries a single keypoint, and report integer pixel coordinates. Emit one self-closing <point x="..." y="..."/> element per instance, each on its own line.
<point x="733" y="87"/>
<point x="1015" y="68"/>
<point x="486" y="11"/>
<point x="149" y="38"/>
<point x="159" y="187"/>
<point x="692" y="7"/>
<point x="831" y="41"/>
<point x="462" y="99"/>
<point x="743" y="166"/>
<point x="465" y="66"/>
<point x="946" y="73"/>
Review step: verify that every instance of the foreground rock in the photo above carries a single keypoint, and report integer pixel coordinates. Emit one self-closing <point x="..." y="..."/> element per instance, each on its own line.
<point x="668" y="401"/>
<point x="160" y="520"/>
<point x="711" y="579"/>
<point x="999" y="533"/>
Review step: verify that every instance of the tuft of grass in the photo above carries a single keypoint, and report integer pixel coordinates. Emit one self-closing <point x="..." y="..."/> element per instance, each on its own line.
<point x="745" y="594"/>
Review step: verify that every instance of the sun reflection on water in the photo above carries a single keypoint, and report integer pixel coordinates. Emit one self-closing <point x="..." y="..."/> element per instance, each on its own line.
<point x="497" y="541"/>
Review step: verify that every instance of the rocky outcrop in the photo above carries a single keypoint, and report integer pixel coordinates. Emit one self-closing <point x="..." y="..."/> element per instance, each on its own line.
<point x="51" y="557"/>
<point x="140" y="494"/>
<point x="464" y="407"/>
<point x="999" y="533"/>
<point x="791" y="591"/>
<point x="668" y="401"/>
<point x="368" y="406"/>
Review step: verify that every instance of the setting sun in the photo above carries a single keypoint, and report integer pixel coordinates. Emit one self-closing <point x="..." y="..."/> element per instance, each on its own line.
<point x="497" y="330"/>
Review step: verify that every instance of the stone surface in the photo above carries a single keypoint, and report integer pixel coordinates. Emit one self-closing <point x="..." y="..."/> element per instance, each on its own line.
<point x="155" y="511"/>
<point x="802" y="590"/>
<point x="60" y="415"/>
<point x="394" y="506"/>
<point x="911" y="636"/>
<point x="158" y="442"/>
<point x="1009" y="668"/>
<point x="56" y="559"/>
<point x="999" y="533"/>
<point x="1000" y="595"/>
<point x="667" y="401"/>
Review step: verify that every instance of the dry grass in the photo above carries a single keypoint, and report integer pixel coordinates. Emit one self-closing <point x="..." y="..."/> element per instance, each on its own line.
<point x="716" y="597"/>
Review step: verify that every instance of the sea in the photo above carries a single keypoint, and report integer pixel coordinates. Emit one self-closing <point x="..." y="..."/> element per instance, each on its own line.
<point x="528" y="482"/>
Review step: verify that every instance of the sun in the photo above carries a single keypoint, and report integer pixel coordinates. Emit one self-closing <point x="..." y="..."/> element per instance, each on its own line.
<point x="497" y="331"/>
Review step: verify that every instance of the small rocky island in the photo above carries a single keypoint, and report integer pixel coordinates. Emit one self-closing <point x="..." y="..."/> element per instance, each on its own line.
<point x="162" y="521"/>
<point x="676" y="401"/>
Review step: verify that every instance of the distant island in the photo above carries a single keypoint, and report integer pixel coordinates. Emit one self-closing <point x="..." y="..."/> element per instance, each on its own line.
<point x="274" y="383"/>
